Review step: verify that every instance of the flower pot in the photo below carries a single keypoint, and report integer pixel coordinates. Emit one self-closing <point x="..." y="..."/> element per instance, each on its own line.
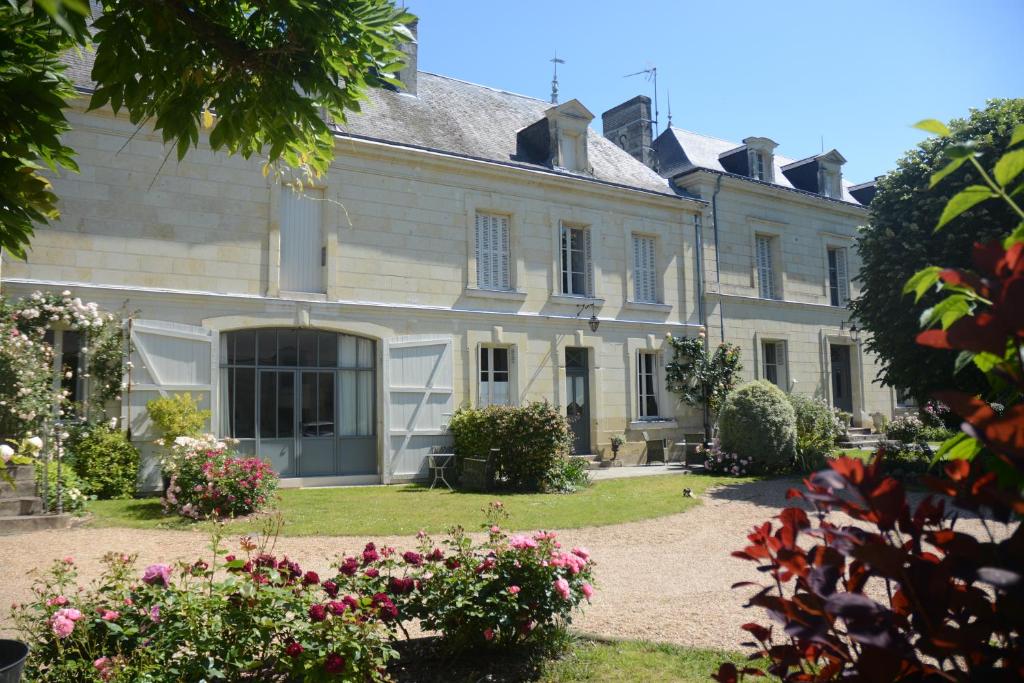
<point x="12" y="660"/>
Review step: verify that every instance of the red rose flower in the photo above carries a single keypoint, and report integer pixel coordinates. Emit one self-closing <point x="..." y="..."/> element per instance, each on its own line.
<point x="310" y="579"/>
<point x="334" y="663"/>
<point x="413" y="558"/>
<point x="294" y="649"/>
<point x="317" y="612"/>
<point x="330" y="588"/>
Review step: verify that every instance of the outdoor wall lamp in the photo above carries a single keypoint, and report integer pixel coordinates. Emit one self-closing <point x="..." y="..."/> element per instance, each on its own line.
<point x="593" y="322"/>
<point x="854" y="330"/>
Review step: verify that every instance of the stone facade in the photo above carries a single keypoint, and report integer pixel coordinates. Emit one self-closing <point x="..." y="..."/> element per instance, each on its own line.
<point x="198" y="243"/>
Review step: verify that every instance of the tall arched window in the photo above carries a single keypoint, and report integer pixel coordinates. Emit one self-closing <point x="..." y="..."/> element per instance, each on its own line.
<point x="304" y="399"/>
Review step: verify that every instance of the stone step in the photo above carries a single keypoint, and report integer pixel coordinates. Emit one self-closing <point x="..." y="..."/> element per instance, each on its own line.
<point x="864" y="443"/>
<point x="858" y="430"/>
<point x="25" y="505"/>
<point x="17" y="489"/>
<point x="19" y="524"/>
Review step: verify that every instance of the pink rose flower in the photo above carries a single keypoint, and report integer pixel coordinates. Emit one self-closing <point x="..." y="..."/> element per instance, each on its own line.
<point x="562" y="587"/>
<point x="109" y="615"/>
<point x="588" y="591"/>
<point x="60" y="600"/>
<point x="522" y="542"/>
<point x="157" y="574"/>
<point x="488" y="634"/>
<point x="514" y="590"/>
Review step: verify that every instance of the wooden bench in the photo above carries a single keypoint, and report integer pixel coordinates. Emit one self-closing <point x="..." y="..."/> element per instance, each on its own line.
<point x="478" y="473"/>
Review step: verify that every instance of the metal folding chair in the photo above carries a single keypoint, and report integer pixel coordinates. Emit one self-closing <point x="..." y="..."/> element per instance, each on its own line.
<point x="437" y="464"/>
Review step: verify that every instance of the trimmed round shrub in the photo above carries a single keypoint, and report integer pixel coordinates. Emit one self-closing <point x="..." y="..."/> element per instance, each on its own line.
<point x="104" y="460"/>
<point x="758" y="422"/>
<point x="816" y="429"/>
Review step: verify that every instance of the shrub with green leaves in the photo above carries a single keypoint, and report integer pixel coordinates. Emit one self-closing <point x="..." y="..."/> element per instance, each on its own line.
<point x="907" y="429"/>
<point x="72" y="496"/>
<point x="758" y="422"/>
<point x="104" y="460"/>
<point x="177" y="415"/>
<point x="533" y="442"/>
<point x="816" y="429"/>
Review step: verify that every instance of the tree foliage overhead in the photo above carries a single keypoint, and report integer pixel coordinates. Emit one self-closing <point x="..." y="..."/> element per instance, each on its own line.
<point x="901" y="239"/>
<point x="264" y="76"/>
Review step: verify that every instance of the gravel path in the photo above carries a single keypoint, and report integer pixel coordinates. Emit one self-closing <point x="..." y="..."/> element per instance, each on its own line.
<point x="664" y="579"/>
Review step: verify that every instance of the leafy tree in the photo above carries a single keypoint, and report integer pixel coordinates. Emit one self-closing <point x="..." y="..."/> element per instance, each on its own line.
<point x="901" y="239"/>
<point x="264" y="76"/>
<point x="701" y="379"/>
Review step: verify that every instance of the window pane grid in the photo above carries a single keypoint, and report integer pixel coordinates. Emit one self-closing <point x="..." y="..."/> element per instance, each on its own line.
<point x="647" y="385"/>
<point x="494" y="376"/>
<point x="576" y="261"/>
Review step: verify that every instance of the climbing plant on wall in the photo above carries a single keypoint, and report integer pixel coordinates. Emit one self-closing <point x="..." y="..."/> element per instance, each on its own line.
<point x="701" y="378"/>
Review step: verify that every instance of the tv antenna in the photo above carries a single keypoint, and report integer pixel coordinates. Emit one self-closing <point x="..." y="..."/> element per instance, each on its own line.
<point x="650" y="74"/>
<point x="554" y="79"/>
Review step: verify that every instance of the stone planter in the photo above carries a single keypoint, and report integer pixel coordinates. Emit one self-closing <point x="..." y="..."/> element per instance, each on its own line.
<point x="12" y="660"/>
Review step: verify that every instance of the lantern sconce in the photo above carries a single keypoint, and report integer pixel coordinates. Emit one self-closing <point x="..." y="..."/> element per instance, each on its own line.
<point x="593" y="322"/>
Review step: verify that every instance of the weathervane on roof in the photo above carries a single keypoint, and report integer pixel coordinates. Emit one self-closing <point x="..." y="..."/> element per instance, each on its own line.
<point x="669" y="97"/>
<point x="652" y="75"/>
<point x="554" y="80"/>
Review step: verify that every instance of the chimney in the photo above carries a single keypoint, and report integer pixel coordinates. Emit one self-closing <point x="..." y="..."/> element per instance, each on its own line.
<point x="408" y="72"/>
<point x="629" y="126"/>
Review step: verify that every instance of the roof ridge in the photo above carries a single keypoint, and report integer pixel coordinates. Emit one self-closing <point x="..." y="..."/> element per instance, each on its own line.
<point x="485" y="87"/>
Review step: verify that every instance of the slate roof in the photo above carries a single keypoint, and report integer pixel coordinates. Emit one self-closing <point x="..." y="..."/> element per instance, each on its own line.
<point x="464" y="119"/>
<point x="682" y="150"/>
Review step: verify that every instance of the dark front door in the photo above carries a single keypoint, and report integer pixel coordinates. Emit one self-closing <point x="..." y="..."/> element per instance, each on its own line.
<point x="577" y="405"/>
<point x="842" y="390"/>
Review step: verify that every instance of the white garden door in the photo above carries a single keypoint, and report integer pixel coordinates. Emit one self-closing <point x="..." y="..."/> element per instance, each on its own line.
<point x="418" y="388"/>
<point x="167" y="358"/>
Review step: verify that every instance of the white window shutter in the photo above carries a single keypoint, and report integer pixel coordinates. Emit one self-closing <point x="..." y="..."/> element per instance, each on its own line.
<point x="765" y="276"/>
<point x="844" y="281"/>
<point x="505" y="255"/>
<point x="588" y="261"/>
<point x="482" y="271"/>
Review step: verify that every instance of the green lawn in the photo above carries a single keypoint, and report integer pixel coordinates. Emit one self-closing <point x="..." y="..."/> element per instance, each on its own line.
<point x="405" y="509"/>
<point x="637" y="662"/>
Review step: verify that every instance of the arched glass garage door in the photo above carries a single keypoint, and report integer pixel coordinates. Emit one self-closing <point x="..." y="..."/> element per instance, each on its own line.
<point x="302" y="399"/>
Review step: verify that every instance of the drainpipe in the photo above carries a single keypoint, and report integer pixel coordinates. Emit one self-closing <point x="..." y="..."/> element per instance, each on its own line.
<point x="718" y="258"/>
<point x="698" y="228"/>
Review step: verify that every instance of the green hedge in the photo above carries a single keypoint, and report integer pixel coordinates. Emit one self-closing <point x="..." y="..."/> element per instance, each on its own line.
<point x="817" y="429"/>
<point x="757" y="421"/>
<point x="534" y="442"/>
<point x="105" y="462"/>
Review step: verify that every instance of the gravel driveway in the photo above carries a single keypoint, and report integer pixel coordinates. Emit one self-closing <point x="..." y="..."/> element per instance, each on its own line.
<point x="664" y="579"/>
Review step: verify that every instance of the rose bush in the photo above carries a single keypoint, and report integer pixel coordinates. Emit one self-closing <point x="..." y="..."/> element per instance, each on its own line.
<point x="208" y="479"/>
<point x="149" y="626"/>
<point x="507" y="591"/>
<point x="906" y="429"/>
<point x="257" y="616"/>
<point x="719" y="461"/>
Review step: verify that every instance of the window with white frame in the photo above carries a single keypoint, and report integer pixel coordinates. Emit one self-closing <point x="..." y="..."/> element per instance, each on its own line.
<point x="773" y="362"/>
<point x="647" y="385"/>
<point x="765" y="267"/>
<point x="838" y="278"/>
<point x="645" y="283"/>
<point x="492" y="252"/>
<point x="577" y="268"/>
<point x="494" y="376"/>
<point x="758" y="165"/>
<point x="303" y="253"/>
<point x="831" y="183"/>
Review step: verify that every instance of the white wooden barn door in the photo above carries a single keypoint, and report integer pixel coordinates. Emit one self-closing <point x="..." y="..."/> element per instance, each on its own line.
<point x="418" y="401"/>
<point x="166" y="358"/>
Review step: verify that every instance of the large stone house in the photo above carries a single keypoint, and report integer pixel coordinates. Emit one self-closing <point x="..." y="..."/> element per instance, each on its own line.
<point x="468" y="246"/>
<point x="779" y="265"/>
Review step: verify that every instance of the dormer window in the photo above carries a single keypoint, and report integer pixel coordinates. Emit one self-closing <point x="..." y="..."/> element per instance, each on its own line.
<point x="759" y="158"/>
<point x="559" y="139"/>
<point x="830" y="181"/>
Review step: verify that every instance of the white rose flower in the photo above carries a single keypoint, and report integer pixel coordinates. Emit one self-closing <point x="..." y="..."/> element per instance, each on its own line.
<point x="35" y="442"/>
<point x="6" y="452"/>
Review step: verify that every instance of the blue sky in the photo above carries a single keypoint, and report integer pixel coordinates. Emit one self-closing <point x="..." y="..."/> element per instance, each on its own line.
<point x="858" y="74"/>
